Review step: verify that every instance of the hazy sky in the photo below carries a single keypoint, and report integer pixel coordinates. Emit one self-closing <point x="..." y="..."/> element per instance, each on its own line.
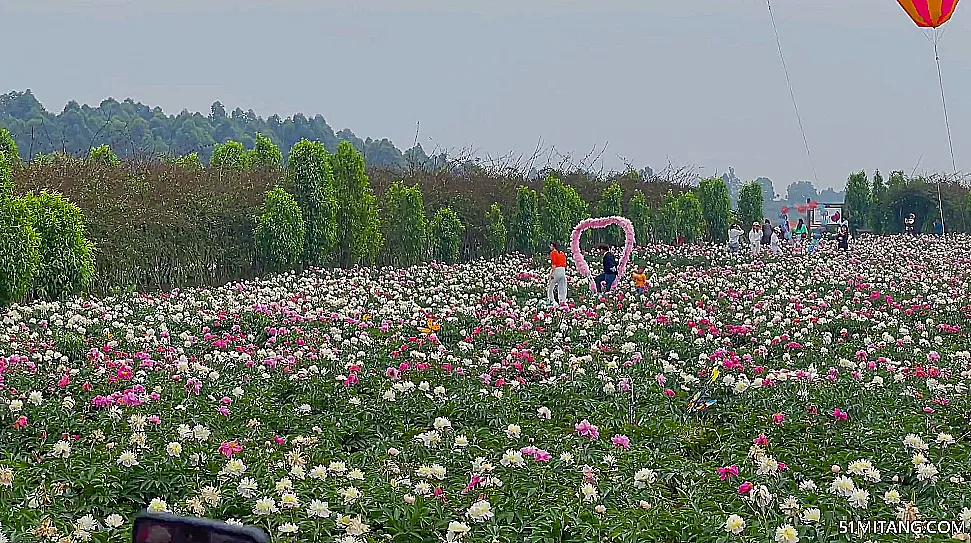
<point x="696" y="82"/>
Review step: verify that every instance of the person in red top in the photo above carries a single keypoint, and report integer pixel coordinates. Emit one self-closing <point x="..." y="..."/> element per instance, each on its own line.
<point x="556" y="289"/>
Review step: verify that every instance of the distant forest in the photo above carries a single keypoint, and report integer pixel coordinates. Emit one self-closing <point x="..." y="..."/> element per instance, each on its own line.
<point x="133" y="129"/>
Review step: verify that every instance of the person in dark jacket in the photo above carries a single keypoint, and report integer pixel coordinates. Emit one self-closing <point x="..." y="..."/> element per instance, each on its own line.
<point x="766" y="233"/>
<point x="844" y="238"/>
<point x="605" y="281"/>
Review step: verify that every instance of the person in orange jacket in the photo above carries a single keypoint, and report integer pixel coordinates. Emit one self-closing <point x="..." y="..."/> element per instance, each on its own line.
<point x="556" y="289"/>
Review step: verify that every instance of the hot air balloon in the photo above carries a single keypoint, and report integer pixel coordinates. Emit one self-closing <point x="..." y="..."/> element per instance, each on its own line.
<point x="929" y="13"/>
<point x="932" y="14"/>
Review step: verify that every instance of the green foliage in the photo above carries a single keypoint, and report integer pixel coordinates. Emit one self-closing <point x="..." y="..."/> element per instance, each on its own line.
<point x="716" y="206"/>
<point x="447" y="236"/>
<point x="19" y="250"/>
<point x="66" y="256"/>
<point x="404" y="223"/>
<point x="611" y="205"/>
<point x="750" y="203"/>
<point x="102" y="155"/>
<point x="6" y="177"/>
<point x="265" y="155"/>
<point x="358" y="226"/>
<point x="639" y="213"/>
<point x="150" y="127"/>
<point x="230" y="156"/>
<point x="9" y="147"/>
<point x="691" y="219"/>
<point x="856" y="206"/>
<point x="879" y="218"/>
<point x="667" y="219"/>
<point x="311" y="179"/>
<point x="560" y="209"/>
<point x="190" y="162"/>
<point x="495" y="231"/>
<point x="280" y="231"/>
<point x="526" y="229"/>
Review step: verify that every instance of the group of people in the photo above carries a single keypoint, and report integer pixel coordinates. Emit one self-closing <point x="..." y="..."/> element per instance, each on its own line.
<point x="766" y="237"/>
<point x="761" y="237"/>
<point x="556" y="288"/>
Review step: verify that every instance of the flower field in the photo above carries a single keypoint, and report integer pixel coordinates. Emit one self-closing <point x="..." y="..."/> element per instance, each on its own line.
<point x="453" y="403"/>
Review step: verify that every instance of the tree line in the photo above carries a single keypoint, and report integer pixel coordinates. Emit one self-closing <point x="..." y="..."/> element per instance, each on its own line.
<point x="100" y="223"/>
<point x="178" y="222"/>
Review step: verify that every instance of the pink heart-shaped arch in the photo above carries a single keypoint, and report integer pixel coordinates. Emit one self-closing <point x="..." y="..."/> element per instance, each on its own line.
<point x="602" y="222"/>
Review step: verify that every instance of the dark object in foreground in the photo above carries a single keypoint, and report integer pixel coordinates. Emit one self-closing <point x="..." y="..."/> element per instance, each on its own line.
<point x="165" y="528"/>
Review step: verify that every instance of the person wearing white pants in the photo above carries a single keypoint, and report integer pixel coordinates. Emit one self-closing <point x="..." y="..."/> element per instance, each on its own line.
<point x="556" y="289"/>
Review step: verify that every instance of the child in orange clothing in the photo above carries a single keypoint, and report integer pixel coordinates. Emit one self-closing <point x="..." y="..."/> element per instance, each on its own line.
<point x="640" y="280"/>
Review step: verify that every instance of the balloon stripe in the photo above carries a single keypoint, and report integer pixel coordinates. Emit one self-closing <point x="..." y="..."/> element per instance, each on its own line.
<point x="934" y="8"/>
<point x="910" y="6"/>
<point x="947" y="9"/>
<point x="923" y="8"/>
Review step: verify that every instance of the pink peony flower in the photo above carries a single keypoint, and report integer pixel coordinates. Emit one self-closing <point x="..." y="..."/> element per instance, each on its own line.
<point x="584" y="428"/>
<point x="229" y="448"/>
<point x="621" y="441"/>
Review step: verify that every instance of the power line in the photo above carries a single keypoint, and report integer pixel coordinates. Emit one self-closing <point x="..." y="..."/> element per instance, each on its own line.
<point x="792" y="94"/>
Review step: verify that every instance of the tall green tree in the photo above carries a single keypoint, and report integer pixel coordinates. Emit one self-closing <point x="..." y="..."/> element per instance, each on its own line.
<point x="280" y="231"/>
<point x="311" y="179"/>
<point x="358" y="227"/>
<point x="560" y="209"/>
<point x="265" y="154"/>
<point x="447" y="231"/>
<point x="611" y="205"/>
<point x="750" y="203"/>
<point x="879" y="212"/>
<point x="857" y="202"/>
<point x="406" y="229"/>
<point x="667" y="219"/>
<point x="19" y="250"/>
<point x="691" y="218"/>
<point x="526" y="227"/>
<point x="6" y="177"/>
<point x="495" y="231"/>
<point x="66" y="263"/>
<point x="230" y="156"/>
<point x="716" y="206"/>
<point x="639" y="213"/>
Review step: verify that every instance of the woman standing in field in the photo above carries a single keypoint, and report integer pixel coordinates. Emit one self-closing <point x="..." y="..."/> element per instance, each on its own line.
<point x="844" y="238"/>
<point x="556" y="289"/>
<point x="755" y="238"/>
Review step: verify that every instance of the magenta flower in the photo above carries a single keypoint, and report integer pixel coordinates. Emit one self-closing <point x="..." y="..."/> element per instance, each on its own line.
<point x="745" y="488"/>
<point x="229" y="448"/>
<point x="840" y="414"/>
<point x="762" y="440"/>
<point x="584" y="428"/>
<point x="621" y="441"/>
<point x="727" y="472"/>
<point x="778" y="418"/>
